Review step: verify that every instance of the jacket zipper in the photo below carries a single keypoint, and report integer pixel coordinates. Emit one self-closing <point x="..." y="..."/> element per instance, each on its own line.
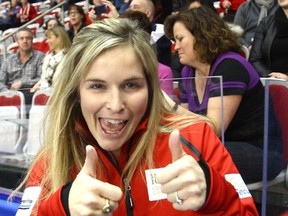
<point x="129" y="200"/>
<point x="127" y="188"/>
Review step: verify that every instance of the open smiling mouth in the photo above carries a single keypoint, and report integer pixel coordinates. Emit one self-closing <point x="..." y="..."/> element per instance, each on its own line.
<point x="112" y="126"/>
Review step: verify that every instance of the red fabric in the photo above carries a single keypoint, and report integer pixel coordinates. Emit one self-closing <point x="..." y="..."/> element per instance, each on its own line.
<point x="15" y="100"/>
<point x="222" y="199"/>
<point x="31" y="12"/>
<point x="41" y="99"/>
<point x="279" y="96"/>
<point x="284" y="213"/>
<point x="41" y="46"/>
<point x="14" y="48"/>
<point x="28" y="10"/>
<point x="88" y="20"/>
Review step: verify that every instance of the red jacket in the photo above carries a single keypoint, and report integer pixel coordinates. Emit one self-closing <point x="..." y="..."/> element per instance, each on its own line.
<point x="222" y="198"/>
<point x="29" y="10"/>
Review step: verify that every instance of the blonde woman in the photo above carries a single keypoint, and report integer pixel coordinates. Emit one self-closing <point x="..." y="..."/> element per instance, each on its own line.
<point x="59" y="43"/>
<point x="110" y="133"/>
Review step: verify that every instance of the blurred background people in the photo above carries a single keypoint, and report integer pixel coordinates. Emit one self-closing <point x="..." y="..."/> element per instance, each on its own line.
<point x="77" y="20"/>
<point x="176" y="66"/>
<point x="249" y="15"/>
<point x="50" y="23"/>
<point x="96" y="9"/>
<point x="59" y="43"/>
<point x="165" y="74"/>
<point x="230" y="8"/>
<point x="26" y="13"/>
<point x="269" y="52"/>
<point x="162" y="43"/>
<point x="21" y="70"/>
<point x="213" y="50"/>
<point x="8" y="18"/>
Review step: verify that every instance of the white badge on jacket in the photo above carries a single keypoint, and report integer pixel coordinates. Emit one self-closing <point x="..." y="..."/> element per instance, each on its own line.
<point x="239" y="185"/>
<point x="154" y="188"/>
<point x="28" y="201"/>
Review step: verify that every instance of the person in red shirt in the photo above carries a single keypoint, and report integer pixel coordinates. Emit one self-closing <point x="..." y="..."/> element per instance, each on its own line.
<point x="27" y="12"/>
<point x="114" y="146"/>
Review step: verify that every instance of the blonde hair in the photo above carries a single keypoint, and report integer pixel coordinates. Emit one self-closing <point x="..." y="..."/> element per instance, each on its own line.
<point x="64" y="146"/>
<point x="60" y="31"/>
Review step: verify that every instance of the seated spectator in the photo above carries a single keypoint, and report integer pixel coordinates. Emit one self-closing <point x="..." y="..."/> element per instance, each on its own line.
<point x="20" y="71"/>
<point x="162" y="43"/>
<point x="59" y="43"/>
<point x="77" y="20"/>
<point x="249" y="16"/>
<point x="269" y="52"/>
<point x="189" y="4"/>
<point x="165" y="74"/>
<point x="213" y="50"/>
<point x="50" y="23"/>
<point x="9" y="19"/>
<point x="26" y="13"/>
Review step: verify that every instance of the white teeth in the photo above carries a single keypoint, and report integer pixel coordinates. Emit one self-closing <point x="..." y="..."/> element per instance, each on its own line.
<point x="113" y="121"/>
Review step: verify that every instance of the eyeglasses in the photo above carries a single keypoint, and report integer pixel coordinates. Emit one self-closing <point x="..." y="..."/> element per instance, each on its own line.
<point x="73" y="13"/>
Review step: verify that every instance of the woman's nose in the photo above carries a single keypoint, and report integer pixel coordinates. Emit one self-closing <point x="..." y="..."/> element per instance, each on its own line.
<point x="115" y="101"/>
<point x="176" y="46"/>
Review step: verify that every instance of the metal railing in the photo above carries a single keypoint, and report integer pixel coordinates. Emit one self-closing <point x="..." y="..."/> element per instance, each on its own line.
<point x="2" y="40"/>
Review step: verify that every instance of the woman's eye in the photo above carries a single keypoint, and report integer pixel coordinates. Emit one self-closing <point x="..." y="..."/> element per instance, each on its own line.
<point x="179" y="39"/>
<point x="96" y="86"/>
<point x="131" y="85"/>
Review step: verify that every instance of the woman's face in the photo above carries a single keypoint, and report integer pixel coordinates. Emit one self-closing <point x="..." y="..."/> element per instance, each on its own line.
<point x="114" y="97"/>
<point x="24" y="2"/>
<point x="53" y="42"/>
<point x="75" y="17"/>
<point x="13" y="3"/>
<point x="184" y="44"/>
<point x="52" y="23"/>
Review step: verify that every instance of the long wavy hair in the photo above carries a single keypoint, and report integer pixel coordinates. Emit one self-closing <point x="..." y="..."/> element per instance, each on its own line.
<point x="212" y="35"/>
<point x="67" y="133"/>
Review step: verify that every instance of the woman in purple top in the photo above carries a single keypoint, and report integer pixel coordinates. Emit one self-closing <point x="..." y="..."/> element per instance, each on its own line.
<point x="207" y="47"/>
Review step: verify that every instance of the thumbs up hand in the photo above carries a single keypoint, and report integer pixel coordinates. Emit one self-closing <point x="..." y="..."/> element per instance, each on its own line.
<point x="183" y="180"/>
<point x="88" y="195"/>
